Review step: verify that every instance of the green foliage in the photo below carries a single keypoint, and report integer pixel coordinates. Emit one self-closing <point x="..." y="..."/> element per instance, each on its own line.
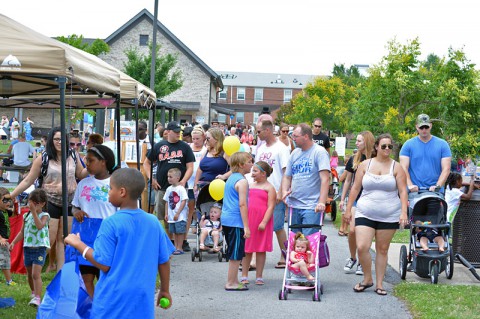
<point x="427" y="301"/>
<point x="329" y="99"/>
<point x="167" y="79"/>
<point x="96" y="48"/>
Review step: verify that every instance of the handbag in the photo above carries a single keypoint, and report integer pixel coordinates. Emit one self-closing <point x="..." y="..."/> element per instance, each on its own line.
<point x="66" y="296"/>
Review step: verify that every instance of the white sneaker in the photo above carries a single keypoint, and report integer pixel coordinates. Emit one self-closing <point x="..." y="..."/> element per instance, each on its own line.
<point x="35" y="302"/>
<point x="359" y="270"/>
<point x="349" y="266"/>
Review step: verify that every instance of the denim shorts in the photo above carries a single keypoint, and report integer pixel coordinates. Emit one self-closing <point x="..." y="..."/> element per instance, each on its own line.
<point x="34" y="255"/>
<point x="191" y="195"/>
<point x="279" y="216"/>
<point x="177" y="227"/>
<point x="305" y="216"/>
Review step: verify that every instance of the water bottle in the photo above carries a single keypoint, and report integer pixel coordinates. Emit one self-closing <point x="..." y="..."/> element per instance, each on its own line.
<point x="471" y="169"/>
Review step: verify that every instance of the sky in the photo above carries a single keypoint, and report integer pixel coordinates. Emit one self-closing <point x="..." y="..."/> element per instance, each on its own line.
<point x="273" y="36"/>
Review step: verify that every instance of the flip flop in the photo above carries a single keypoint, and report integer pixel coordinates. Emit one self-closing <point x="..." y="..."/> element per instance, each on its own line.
<point x="260" y="282"/>
<point x="178" y="252"/>
<point x="380" y="292"/>
<point x="240" y="287"/>
<point x="362" y="287"/>
<point x="280" y="265"/>
<point x="244" y="280"/>
<point x="341" y="233"/>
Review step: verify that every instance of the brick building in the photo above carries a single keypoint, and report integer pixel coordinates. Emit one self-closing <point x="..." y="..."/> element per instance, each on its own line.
<point x="248" y="94"/>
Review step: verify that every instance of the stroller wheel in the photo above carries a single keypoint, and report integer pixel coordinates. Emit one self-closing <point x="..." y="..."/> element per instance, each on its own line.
<point x="282" y="295"/>
<point x="200" y="256"/>
<point x="193" y="254"/>
<point x="403" y="262"/>
<point x="449" y="266"/>
<point x="220" y="256"/>
<point x="317" y="295"/>
<point x="434" y="273"/>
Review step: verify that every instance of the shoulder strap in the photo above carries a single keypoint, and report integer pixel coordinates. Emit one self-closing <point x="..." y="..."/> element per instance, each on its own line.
<point x="370" y="162"/>
<point x="44" y="168"/>
<point x="392" y="168"/>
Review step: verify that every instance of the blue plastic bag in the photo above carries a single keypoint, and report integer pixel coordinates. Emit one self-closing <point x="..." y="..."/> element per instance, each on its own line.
<point x="66" y="296"/>
<point x="88" y="230"/>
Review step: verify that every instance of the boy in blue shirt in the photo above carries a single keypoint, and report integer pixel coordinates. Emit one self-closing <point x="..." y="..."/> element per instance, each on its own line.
<point x="128" y="274"/>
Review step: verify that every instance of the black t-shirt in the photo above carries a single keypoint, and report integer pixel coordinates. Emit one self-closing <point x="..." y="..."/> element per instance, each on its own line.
<point x="322" y="140"/>
<point x="4" y="225"/>
<point x="349" y="168"/>
<point x="169" y="155"/>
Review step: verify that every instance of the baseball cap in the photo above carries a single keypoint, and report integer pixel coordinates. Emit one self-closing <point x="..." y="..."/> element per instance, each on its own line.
<point x="423" y="119"/>
<point x="174" y="126"/>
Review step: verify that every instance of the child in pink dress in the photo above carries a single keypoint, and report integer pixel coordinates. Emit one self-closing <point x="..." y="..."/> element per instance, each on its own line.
<point x="261" y="203"/>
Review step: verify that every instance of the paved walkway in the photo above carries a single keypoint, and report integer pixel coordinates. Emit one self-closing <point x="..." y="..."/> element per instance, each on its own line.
<point x="198" y="290"/>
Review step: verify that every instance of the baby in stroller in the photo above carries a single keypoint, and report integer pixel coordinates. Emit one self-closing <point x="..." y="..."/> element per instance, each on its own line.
<point x="432" y="235"/>
<point x="211" y="228"/>
<point x="301" y="257"/>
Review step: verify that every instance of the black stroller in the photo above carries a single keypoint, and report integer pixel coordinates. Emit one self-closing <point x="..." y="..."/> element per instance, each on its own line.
<point x="432" y="262"/>
<point x="204" y="203"/>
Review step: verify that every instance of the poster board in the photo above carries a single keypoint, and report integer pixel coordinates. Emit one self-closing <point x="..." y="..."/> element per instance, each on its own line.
<point x="340" y="142"/>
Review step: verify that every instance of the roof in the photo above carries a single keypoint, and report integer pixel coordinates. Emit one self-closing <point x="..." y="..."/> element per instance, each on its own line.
<point x="265" y="80"/>
<point x="145" y="14"/>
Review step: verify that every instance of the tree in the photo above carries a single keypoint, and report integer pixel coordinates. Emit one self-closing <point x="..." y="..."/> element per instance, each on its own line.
<point x="167" y="79"/>
<point x="96" y="48"/>
<point x="330" y="99"/>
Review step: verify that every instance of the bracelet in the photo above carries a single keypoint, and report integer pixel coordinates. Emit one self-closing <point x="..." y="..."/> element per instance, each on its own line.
<point x="85" y="252"/>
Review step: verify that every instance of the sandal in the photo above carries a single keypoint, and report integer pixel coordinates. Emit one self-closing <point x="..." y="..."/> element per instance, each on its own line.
<point x="216" y="249"/>
<point x="361" y="287"/>
<point x="244" y="280"/>
<point x="280" y="265"/>
<point x="260" y="282"/>
<point x="202" y="247"/>
<point x="380" y="292"/>
<point x="342" y="233"/>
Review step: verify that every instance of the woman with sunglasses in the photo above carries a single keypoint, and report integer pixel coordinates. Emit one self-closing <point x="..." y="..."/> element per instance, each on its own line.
<point x="214" y="164"/>
<point x="284" y="138"/>
<point x="381" y="209"/>
<point x="52" y="184"/>
<point x="91" y="204"/>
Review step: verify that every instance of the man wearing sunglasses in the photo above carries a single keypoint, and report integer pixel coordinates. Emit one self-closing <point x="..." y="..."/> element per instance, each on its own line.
<point x="426" y="160"/>
<point x="318" y="137"/>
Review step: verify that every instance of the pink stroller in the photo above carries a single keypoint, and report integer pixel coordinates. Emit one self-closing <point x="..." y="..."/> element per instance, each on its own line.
<point x="293" y="278"/>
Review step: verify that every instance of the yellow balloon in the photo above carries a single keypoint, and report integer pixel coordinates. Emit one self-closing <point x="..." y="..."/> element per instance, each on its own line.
<point x="217" y="189"/>
<point x="231" y="144"/>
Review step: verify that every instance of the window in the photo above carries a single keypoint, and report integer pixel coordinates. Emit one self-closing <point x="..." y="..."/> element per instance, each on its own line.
<point x="240" y="117"/>
<point x="223" y="94"/>
<point x="287" y="95"/>
<point x="143" y="39"/>
<point x="241" y="94"/>
<point x="255" y="117"/>
<point x="258" y="94"/>
<point x="222" y="118"/>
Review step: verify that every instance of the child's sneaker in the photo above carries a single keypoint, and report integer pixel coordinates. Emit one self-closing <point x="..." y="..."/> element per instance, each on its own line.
<point x="35" y="302"/>
<point x="359" y="270"/>
<point x="11" y="283"/>
<point x="349" y="266"/>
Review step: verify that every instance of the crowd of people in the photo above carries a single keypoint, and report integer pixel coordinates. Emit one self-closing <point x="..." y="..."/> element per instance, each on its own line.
<point x="278" y="168"/>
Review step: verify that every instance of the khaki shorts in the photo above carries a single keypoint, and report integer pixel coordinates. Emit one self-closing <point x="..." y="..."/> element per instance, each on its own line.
<point x="4" y="257"/>
<point x="160" y="205"/>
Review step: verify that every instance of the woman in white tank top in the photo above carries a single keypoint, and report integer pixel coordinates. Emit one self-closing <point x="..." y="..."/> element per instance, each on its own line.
<point x="382" y="207"/>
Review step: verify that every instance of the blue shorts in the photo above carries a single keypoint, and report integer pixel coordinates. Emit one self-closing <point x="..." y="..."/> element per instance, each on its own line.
<point x="305" y="216"/>
<point x="235" y="242"/>
<point x="279" y="216"/>
<point x="191" y="195"/>
<point x="178" y="227"/>
<point x="34" y="255"/>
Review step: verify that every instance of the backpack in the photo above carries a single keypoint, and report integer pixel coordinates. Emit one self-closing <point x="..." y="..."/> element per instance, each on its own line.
<point x="44" y="168"/>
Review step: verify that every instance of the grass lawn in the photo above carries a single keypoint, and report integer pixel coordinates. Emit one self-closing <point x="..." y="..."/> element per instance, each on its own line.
<point x="427" y="301"/>
<point x="21" y="294"/>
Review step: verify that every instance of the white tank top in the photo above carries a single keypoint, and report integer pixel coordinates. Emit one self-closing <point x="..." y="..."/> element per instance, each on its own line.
<point x="379" y="201"/>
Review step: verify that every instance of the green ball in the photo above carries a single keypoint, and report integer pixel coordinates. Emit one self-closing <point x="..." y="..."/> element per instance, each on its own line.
<point x="164" y="302"/>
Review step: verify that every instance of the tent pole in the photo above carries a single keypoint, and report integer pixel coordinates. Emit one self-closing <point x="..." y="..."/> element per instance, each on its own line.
<point x="152" y="136"/>
<point x="61" y="84"/>
<point x="117" y="118"/>
<point x="137" y="142"/>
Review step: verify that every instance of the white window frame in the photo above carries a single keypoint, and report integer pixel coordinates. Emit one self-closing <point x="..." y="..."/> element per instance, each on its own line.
<point x="256" y="115"/>
<point x="240" y="116"/>
<point x="240" y="91"/>
<point x="287" y="95"/>
<point x="258" y="96"/>
<point x="224" y="91"/>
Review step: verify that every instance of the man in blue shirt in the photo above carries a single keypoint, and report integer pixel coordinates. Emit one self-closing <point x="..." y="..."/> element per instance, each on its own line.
<point x="426" y="160"/>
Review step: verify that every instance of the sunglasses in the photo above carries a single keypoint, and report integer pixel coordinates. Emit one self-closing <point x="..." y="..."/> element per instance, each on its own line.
<point x="317" y="126"/>
<point x="73" y="144"/>
<point x="284" y="131"/>
<point x="6" y="200"/>
<point x="424" y="127"/>
<point x="384" y="146"/>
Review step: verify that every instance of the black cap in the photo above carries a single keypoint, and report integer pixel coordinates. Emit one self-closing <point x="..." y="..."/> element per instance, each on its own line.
<point x="174" y="126"/>
<point x="187" y="131"/>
